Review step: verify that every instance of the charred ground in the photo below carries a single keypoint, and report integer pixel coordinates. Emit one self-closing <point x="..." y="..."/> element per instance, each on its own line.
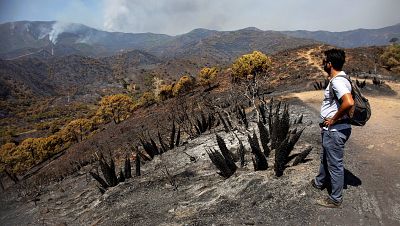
<point x="61" y="191"/>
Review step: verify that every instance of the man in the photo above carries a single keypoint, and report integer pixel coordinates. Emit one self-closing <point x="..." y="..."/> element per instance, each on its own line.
<point x="335" y="129"/>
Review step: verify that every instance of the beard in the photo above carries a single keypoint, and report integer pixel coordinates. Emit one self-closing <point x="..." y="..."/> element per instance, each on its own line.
<point x="326" y="69"/>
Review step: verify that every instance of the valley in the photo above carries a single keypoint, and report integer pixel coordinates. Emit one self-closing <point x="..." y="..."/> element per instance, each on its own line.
<point x="72" y="95"/>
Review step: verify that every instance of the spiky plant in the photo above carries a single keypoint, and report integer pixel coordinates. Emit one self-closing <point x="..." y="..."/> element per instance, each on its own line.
<point x="280" y="125"/>
<point x="204" y="124"/>
<point x="377" y="81"/>
<point x="264" y="138"/>
<point x="128" y="171"/>
<point x="121" y="177"/>
<point x="154" y="146"/>
<point x="178" y="137"/>
<point x="108" y="171"/>
<point x="281" y="157"/>
<point x="326" y="83"/>
<point x="259" y="160"/>
<point x="319" y="85"/>
<point x="228" y="155"/>
<point x="284" y="124"/>
<point x="172" y="137"/>
<point x="241" y="111"/>
<point x="144" y="157"/>
<point x="283" y="151"/>
<point x="241" y="153"/>
<point x="102" y="182"/>
<point x="201" y="124"/>
<point x="164" y="147"/>
<point x="316" y="87"/>
<point x="212" y="120"/>
<point x="263" y="113"/>
<point x="293" y="138"/>
<point x="221" y="163"/>
<point x="275" y="122"/>
<point x="148" y="148"/>
<point x="299" y="120"/>
<point x="228" y="122"/>
<point x="101" y="189"/>
<point x="221" y="118"/>
<point x="137" y="164"/>
<point x="270" y="115"/>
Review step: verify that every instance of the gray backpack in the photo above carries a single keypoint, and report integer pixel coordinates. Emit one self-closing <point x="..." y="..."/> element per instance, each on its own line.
<point x="361" y="111"/>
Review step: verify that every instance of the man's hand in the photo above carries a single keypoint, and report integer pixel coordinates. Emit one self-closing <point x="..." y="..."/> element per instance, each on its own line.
<point x="329" y="122"/>
<point x="345" y="106"/>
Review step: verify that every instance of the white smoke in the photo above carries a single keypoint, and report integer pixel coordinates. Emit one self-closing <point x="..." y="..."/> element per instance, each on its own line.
<point x="181" y="16"/>
<point x="164" y="16"/>
<point x="27" y="27"/>
<point x="57" y="29"/>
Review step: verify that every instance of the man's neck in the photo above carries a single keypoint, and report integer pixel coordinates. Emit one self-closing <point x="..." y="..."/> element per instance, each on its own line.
<point x="334" y="73"/>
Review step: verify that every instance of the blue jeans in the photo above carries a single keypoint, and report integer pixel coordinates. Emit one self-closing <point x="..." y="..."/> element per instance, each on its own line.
<point x="331" y="168"/>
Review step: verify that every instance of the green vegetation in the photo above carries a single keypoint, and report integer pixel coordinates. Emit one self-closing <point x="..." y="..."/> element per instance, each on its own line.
<point x="115" y="107"/>
<point x="147" y="99"/>
<point x="391" y="57"/>
<point x="77" y="129"/>
<point x="31" y="151"/>
<point x="253" y="64"/>
<point x="165" y="92"/>
<point x="207" y="76"/>
<point x="184" y="84"/>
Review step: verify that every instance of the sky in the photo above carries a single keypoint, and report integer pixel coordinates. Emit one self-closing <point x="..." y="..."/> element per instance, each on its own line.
<point x="181" y="16"/>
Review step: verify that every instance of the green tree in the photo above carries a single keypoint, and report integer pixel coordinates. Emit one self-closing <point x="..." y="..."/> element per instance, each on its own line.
<point x="115" y="107"/>
<point x="77" y="129"/>
<point x="146" y="99"/>
<point x="207" y="76"/>
<point x="391" y="57"/>
<point x="184" y="84"/>
<point x="6" y="151"/>
<point x="165" y="92"/>
<point x="252" y="64"/>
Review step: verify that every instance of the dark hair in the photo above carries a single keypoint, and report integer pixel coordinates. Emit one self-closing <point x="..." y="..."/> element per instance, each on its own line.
<point x="336" y="57"/>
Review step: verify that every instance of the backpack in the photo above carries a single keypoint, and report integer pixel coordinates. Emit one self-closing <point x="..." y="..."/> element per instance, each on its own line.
<point x="360" y="113"/>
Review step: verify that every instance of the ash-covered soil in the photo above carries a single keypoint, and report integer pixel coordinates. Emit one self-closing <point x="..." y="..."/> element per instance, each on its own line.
<point x="200" y="197"/>
<point x="194" y="194"/>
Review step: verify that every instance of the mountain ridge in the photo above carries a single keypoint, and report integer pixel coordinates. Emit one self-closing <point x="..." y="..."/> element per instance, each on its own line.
<point x="24" y="37"/>
<point x="361" y="37"/>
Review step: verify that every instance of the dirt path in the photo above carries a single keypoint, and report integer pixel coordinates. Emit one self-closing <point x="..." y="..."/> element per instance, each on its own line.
<point x="312" y="60"/>
<point x="373" y="157"/>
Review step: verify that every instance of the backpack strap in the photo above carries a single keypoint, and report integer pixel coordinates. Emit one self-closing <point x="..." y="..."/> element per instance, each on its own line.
<point x="332" y="93"/>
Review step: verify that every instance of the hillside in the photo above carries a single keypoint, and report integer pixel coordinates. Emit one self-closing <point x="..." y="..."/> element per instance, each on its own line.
<point x="63" y="39"/>
<point x="175" y="189"/>
<point x="50" y="84"/>
<point x="353" y="38"/>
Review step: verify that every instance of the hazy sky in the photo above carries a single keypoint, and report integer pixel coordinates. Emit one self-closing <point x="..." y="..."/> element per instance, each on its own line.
<point x="180" y="16"/>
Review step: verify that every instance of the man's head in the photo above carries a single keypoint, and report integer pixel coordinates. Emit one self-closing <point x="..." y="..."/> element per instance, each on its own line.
<point x="334" y="58"/>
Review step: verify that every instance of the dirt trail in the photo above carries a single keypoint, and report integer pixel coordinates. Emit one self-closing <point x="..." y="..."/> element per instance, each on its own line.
<point x="312" y="60"/>
<point x="372" y="156"/>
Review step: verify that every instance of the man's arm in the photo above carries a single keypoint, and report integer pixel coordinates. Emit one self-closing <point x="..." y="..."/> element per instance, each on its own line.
<point x="345" y="106"/>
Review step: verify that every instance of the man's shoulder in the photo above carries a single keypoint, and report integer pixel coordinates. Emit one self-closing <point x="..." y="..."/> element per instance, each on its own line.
<point x="341" y="86"/>
<point x="340" y="81"/>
